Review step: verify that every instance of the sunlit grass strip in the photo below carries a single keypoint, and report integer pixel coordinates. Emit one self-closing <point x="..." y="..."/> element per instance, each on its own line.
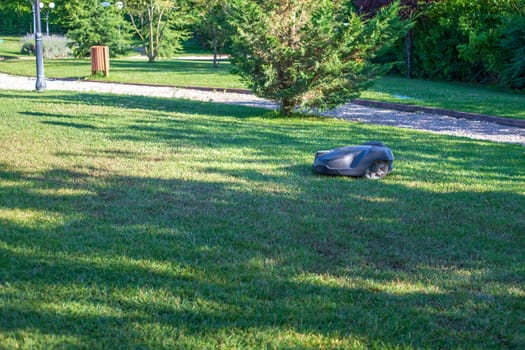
<point x="447" y="95"/>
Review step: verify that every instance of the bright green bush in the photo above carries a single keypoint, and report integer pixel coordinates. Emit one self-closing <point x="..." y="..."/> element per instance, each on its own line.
<point x="28" y="45"/>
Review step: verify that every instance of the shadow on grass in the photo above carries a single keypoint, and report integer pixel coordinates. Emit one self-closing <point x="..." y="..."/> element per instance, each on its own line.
<point x="125" y="102"/>
<point x="227" y="127"/>
<point x="260" y="249"/>
<point x="72" y="125"/>
<point x="208" y="259"/>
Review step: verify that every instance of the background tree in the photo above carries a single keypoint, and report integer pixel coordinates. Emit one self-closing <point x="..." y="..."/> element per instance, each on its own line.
<point x="309" y="53"/>
<point x="410" y="9"/>
<point x="16" y="17"/>
<point x="92" y="24"/>
<point x="213" y="26"/>
<point x="490" y="26"/>
<point x="513" y="50"/>
<point x="469" y="40"/>
<point x="160" y="25"/>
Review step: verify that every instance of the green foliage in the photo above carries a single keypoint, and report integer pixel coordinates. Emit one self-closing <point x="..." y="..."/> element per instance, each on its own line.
<point x="92" y="24"/>
<point x="16" y="17"/>
<point x="28" y="45"/>
<point x="305" y="53"/>
<point x="471" y="41"/>
<point x="481" y="21"/>
<point x="513" y="49"/>
<point x="159" y="25"/>
<point x="436" y="35"/>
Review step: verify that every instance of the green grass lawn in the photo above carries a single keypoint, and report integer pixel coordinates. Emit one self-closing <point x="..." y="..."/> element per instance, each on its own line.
<point x="133" y="70"/>
<point x="10" y="46"/>
<point x="125" y="69"/>
<point x="446" y="95"/>
<point x="147" y="223"/>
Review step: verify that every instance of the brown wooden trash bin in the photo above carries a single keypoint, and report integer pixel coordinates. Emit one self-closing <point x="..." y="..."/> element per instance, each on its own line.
<point x="100" y="60"/>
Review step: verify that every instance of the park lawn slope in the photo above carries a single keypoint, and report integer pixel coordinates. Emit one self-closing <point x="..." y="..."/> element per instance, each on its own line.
<point x="135" y="222"/>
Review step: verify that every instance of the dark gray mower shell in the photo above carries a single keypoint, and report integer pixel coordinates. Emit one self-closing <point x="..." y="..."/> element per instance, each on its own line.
<point x="361" y="160"/>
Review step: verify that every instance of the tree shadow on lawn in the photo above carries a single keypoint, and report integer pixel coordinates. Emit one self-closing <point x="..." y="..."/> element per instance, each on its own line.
<point x="192" y="259"/>
<point x="157" y="104"/>
<point x="176" y="121"/>
<point x="228" y="124"/>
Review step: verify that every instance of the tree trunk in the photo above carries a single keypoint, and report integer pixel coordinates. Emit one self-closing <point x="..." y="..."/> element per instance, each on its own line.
<point x="215" y="62"/>
<point x="408" y="52"/>
<point x="151" y="55"/>
<point x="286" y="107"/>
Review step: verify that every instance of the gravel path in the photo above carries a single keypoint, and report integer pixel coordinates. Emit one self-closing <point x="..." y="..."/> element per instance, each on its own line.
<point x="440" y="124"/>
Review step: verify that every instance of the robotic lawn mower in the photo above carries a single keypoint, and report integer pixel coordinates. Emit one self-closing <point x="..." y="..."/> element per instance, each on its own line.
<point x="370" y="159"/>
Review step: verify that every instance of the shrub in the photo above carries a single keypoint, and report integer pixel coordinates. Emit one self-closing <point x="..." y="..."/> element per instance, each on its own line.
<point x="28" y="45"/>
<point x="55" y="46"/>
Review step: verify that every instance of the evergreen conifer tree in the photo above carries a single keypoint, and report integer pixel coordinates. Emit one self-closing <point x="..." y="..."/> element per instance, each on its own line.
<point x="90" y="24"/>
<point x="309" y="53"/>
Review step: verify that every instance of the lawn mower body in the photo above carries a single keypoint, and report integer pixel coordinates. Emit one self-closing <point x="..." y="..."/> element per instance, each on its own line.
<point x="371" y="159"/>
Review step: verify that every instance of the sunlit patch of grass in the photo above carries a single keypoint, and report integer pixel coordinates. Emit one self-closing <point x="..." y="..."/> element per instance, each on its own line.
<point x="158" y="223"/>
<point x="451" y="96"/>
<point x="10" y="47"/>
<point x="30" y="218"/>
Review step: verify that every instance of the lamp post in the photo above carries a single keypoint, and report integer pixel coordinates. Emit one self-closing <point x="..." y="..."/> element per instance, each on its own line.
<point x="51" y="6"/>
<point x="40" y="85"/>
<point x="119" y="5"/>
<point x="34" y="16"/>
